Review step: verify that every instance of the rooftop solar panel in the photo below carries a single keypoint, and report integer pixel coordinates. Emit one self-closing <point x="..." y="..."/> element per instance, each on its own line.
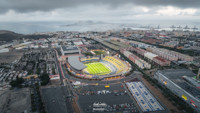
<point x="144" y="98"/>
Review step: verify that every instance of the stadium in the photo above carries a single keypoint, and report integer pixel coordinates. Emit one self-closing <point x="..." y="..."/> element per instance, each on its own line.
<point x="98" y="68"/>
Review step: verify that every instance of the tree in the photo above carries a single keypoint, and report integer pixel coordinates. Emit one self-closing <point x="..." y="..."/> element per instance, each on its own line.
<point x="17" y="82"/>
<point x="45" y="79"/>
<point x="38" y="71"/>
<point x="53" y="71"/>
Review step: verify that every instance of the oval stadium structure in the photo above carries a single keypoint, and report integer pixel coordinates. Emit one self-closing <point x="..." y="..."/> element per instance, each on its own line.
<point x="109" y="67"/>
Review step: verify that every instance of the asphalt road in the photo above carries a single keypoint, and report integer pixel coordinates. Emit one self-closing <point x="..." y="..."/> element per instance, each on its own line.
<point x="58" y="67"/>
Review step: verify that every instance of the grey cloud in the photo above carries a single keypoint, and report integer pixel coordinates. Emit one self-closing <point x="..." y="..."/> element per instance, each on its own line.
<point x="47" y="5"/>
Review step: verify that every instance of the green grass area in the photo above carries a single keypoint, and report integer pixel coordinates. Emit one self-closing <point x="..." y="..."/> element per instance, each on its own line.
<point x="97" y="68"/>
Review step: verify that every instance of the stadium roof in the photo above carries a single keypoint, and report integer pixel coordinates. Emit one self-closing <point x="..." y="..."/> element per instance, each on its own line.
<point x="75" y="63"/>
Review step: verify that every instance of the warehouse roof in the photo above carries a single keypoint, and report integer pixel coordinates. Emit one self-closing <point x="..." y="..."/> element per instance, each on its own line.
<point x="144" y="98"/>
<point x="69" y="48"/>
<point x="176" y="76"/>
<point x="176" y="73"/>
<point x="75" y="63"/>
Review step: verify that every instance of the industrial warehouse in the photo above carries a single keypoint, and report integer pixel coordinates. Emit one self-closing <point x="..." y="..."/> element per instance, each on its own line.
<point x="144" y="98"/>
<point x="183" y="83"/>
<point x="66" y="50"/>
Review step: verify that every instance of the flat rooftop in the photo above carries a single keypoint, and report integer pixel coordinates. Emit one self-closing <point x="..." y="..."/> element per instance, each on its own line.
<point x="69" y="48"/>
<point x="177" y="73"/>
<point x="144" y="98"/>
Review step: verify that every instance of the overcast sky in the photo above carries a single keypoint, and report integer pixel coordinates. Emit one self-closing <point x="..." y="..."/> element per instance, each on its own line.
<point x="98" y="10"/>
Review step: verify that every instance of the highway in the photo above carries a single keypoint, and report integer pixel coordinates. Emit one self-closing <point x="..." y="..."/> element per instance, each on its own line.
<point x="58" y="65"/>
<point x="64" y="81"/>
<point x="65" y="88"/>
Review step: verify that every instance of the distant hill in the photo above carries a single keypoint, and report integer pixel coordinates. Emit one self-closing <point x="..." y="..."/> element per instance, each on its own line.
<point x="9" y="35"/>
<point x="82" y="23"/>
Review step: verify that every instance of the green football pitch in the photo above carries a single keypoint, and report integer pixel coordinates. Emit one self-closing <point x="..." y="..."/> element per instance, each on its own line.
<point x="97" y="68"/>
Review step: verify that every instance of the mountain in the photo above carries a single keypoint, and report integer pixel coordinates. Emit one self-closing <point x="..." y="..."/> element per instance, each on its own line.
<point x="89" y="25"/>
<point x="83" y="23"/>
<point x="9" y="35"/>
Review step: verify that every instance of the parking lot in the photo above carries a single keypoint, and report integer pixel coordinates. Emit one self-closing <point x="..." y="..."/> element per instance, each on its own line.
<point x="56" y="100"/>
<point x="105" y="100"/>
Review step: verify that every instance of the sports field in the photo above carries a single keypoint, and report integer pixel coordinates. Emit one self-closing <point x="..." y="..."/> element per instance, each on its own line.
<point x="97" y="68"/>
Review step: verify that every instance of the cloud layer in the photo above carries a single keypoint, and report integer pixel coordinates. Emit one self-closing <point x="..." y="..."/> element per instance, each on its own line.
<point x="57" y="10"/>
<point x="48" y="5"/>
